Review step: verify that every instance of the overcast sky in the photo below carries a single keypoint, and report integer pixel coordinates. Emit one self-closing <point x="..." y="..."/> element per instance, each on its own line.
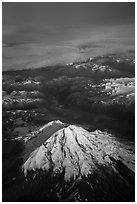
<point x="71" y="13"/>
<point x="39" y="34"/>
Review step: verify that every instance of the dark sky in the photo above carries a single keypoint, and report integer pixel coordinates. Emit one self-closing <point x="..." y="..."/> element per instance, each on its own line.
<point x="64" y="13"/>
<point x="39" y="34"/>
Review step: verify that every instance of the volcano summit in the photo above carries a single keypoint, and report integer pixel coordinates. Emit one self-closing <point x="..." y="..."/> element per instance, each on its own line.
<point x="72" y="162"/>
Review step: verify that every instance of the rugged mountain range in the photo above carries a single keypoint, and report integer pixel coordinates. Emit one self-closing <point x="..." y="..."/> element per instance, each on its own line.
<point x="87" y="157"/>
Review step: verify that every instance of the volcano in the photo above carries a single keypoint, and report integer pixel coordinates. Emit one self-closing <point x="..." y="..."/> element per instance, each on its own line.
<point x="73" y="164"/>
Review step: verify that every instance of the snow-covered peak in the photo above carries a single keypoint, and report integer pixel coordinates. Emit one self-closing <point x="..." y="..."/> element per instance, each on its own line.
<point x="50" y="124"/>
<point x="120" y="86"/>
<point x="31" y="82"/>
<point x="76" y="152"/>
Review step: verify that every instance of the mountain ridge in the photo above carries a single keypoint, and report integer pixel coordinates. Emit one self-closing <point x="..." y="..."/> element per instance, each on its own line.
<point x="72" y="155"/>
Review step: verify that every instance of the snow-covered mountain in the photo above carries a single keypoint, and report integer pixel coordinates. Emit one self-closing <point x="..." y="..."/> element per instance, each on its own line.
<point x="69" y="159"/>
<point x="87" y="157"/>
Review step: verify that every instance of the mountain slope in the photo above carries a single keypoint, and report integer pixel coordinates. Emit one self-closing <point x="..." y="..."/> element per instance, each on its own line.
<point x="74" y="160"/>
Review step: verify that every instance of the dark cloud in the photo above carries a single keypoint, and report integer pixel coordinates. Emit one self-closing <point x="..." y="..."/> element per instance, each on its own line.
<point x="67" y="13"/>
